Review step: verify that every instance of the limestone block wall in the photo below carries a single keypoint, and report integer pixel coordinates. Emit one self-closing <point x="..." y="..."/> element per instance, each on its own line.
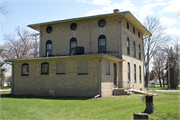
<point x="68" y="84"/>
<point x="107" y="81"/>
<point x="86" y="33"/>
<point x="130" y="58"/>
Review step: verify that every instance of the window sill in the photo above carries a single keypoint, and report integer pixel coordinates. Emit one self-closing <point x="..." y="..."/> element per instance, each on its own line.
<point x="82" y="74"/>
<point x="135" y="82"/>
<point x="25" y="75"/>
<point x="60" y="73"/>
<point x="102" y="52"/>
<point x="44" y="73"/>
<point x="129" y="81"/>
<point x="107" y="74"/>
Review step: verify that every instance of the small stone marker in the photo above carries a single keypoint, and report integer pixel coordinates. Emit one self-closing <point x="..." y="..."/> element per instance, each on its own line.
<point x="141" y="116"/>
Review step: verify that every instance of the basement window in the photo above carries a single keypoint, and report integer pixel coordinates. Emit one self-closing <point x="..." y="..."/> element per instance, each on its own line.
<point x="25" y="69"/>
<point x="60" y="68"/>
<point x="82" y="68"/>
<point x="45" y="68"/>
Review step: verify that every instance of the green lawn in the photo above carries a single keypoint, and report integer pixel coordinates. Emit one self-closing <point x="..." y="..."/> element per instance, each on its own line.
<point x="118" y="107"/>
<point x="3" y="87"/>
<point x="157" y="87"/>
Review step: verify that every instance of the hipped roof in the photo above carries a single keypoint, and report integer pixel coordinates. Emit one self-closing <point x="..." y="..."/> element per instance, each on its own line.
<point x="128" y="16"/>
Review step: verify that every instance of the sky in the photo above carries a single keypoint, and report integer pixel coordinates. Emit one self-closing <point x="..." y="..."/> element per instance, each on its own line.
<point x="25" y="12"/>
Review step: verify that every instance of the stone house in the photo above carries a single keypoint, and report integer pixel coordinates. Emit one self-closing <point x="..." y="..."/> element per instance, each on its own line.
<point x="89" y="56"/>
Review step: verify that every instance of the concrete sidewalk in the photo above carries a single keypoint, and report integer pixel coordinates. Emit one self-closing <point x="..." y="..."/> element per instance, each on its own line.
<point x="5" y="90"/>
<point x="167" y="90"/>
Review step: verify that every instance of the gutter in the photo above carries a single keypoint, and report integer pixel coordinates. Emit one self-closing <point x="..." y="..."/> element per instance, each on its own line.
<point x="99" y="78"/>
<point x="12" y="84"/>
<point x="120" y="33"/>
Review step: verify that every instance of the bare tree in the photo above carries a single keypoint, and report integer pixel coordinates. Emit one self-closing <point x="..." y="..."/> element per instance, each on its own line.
<point x="19" y="45"/>
<point x="153" y="43"/>
<point x="159" y="64"/>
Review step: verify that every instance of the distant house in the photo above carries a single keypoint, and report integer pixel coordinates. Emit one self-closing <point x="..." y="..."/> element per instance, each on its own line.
<point x="97" y="55"/>
<point x="7" y="75"/>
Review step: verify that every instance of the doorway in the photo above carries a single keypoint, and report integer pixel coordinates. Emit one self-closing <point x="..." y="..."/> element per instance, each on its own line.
<point x="115" y="75"/>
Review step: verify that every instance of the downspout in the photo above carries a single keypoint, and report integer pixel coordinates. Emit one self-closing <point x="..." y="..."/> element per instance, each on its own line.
<point x="120" y="33"/>
<point x="12" y="84"/>
<point x="99" y="78"/>
<point x="40" y="46"/>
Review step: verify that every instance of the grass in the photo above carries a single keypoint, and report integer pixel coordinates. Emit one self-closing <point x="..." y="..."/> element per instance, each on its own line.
<point x="3" y="87"/>
<point x="118" y="107"/>
<point x="157" y="87"/>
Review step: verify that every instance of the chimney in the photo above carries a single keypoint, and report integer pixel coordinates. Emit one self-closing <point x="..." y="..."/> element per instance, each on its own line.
<point x="116" y="10"/>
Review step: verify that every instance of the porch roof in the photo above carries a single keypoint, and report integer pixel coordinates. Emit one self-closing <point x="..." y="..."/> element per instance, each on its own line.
<point x="72" y="56"/>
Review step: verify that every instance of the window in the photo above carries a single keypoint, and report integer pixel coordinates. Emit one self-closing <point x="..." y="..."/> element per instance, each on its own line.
<point x="49" y="48"/>
<point x="73" y="45"/>
<point x="129" y="79"/>
<point x="25" y="69"/>
<point x="60" y="68"/>
<point x="82" y="68"/>
<point x="73" y="26"/>
<point x="133" y="30"/>
<point x="128" y="46"/>
<point x="107" y="68"/>
<point x="139" y="34"/>
<point x="102" y="23"/>
<point x="45" y="68"/>
<point x="139" y="52"/>
<point x="134" y="73"/>
<point x="140" y="74"/>
<point x="134" y="45"/>
<point x="102" y="44"/>
<point x="127" y="25"/>
<point x="49" y="29"/>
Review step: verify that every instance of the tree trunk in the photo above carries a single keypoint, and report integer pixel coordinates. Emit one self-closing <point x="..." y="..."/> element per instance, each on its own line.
<point x="163" y="83"/>
<point x="160" y="82"/>
<point x="149" y="105"/>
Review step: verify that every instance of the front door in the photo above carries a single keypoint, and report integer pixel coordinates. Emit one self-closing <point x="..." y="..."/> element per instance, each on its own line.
<point x="115" y="75"/>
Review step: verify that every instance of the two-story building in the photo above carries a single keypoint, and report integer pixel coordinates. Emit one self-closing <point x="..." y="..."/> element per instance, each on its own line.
<point x="87" y="56"/>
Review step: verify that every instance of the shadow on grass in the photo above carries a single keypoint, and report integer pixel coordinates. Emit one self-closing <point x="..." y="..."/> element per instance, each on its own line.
<point x="43" y="97"/>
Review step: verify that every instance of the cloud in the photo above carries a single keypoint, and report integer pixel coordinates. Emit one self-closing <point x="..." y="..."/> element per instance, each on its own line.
<point x="173" y="6"/>
<point x="101" y="2"/>
<point x="168" y="21"/>
<point x="173" y="31"/>
<point x="109" y="6"/>
<point x="85" y="1"/>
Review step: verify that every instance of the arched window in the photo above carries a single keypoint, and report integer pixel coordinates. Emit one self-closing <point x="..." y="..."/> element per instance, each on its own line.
<point x="140" y="74"/>
<point x="45" y="68"/>
<point x="129" y="79"/>
<point x="82" y="68"/>
<point x="134" y="44"/>
<point x="49" y="48"/>
<point x="73" y="45"/>
<point x="133" y="30"/>
<point x="25" y="69"/>
<point x="139" y="34"/>
<point x="128" y="46"/>
<point x="127" y="25"/>
<point x="139" y="52"/>
<point x="135" y="73"/>
<point x="107" y="68"/>
<point x="60" y="68"/>
<point x="102" y="44"/>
